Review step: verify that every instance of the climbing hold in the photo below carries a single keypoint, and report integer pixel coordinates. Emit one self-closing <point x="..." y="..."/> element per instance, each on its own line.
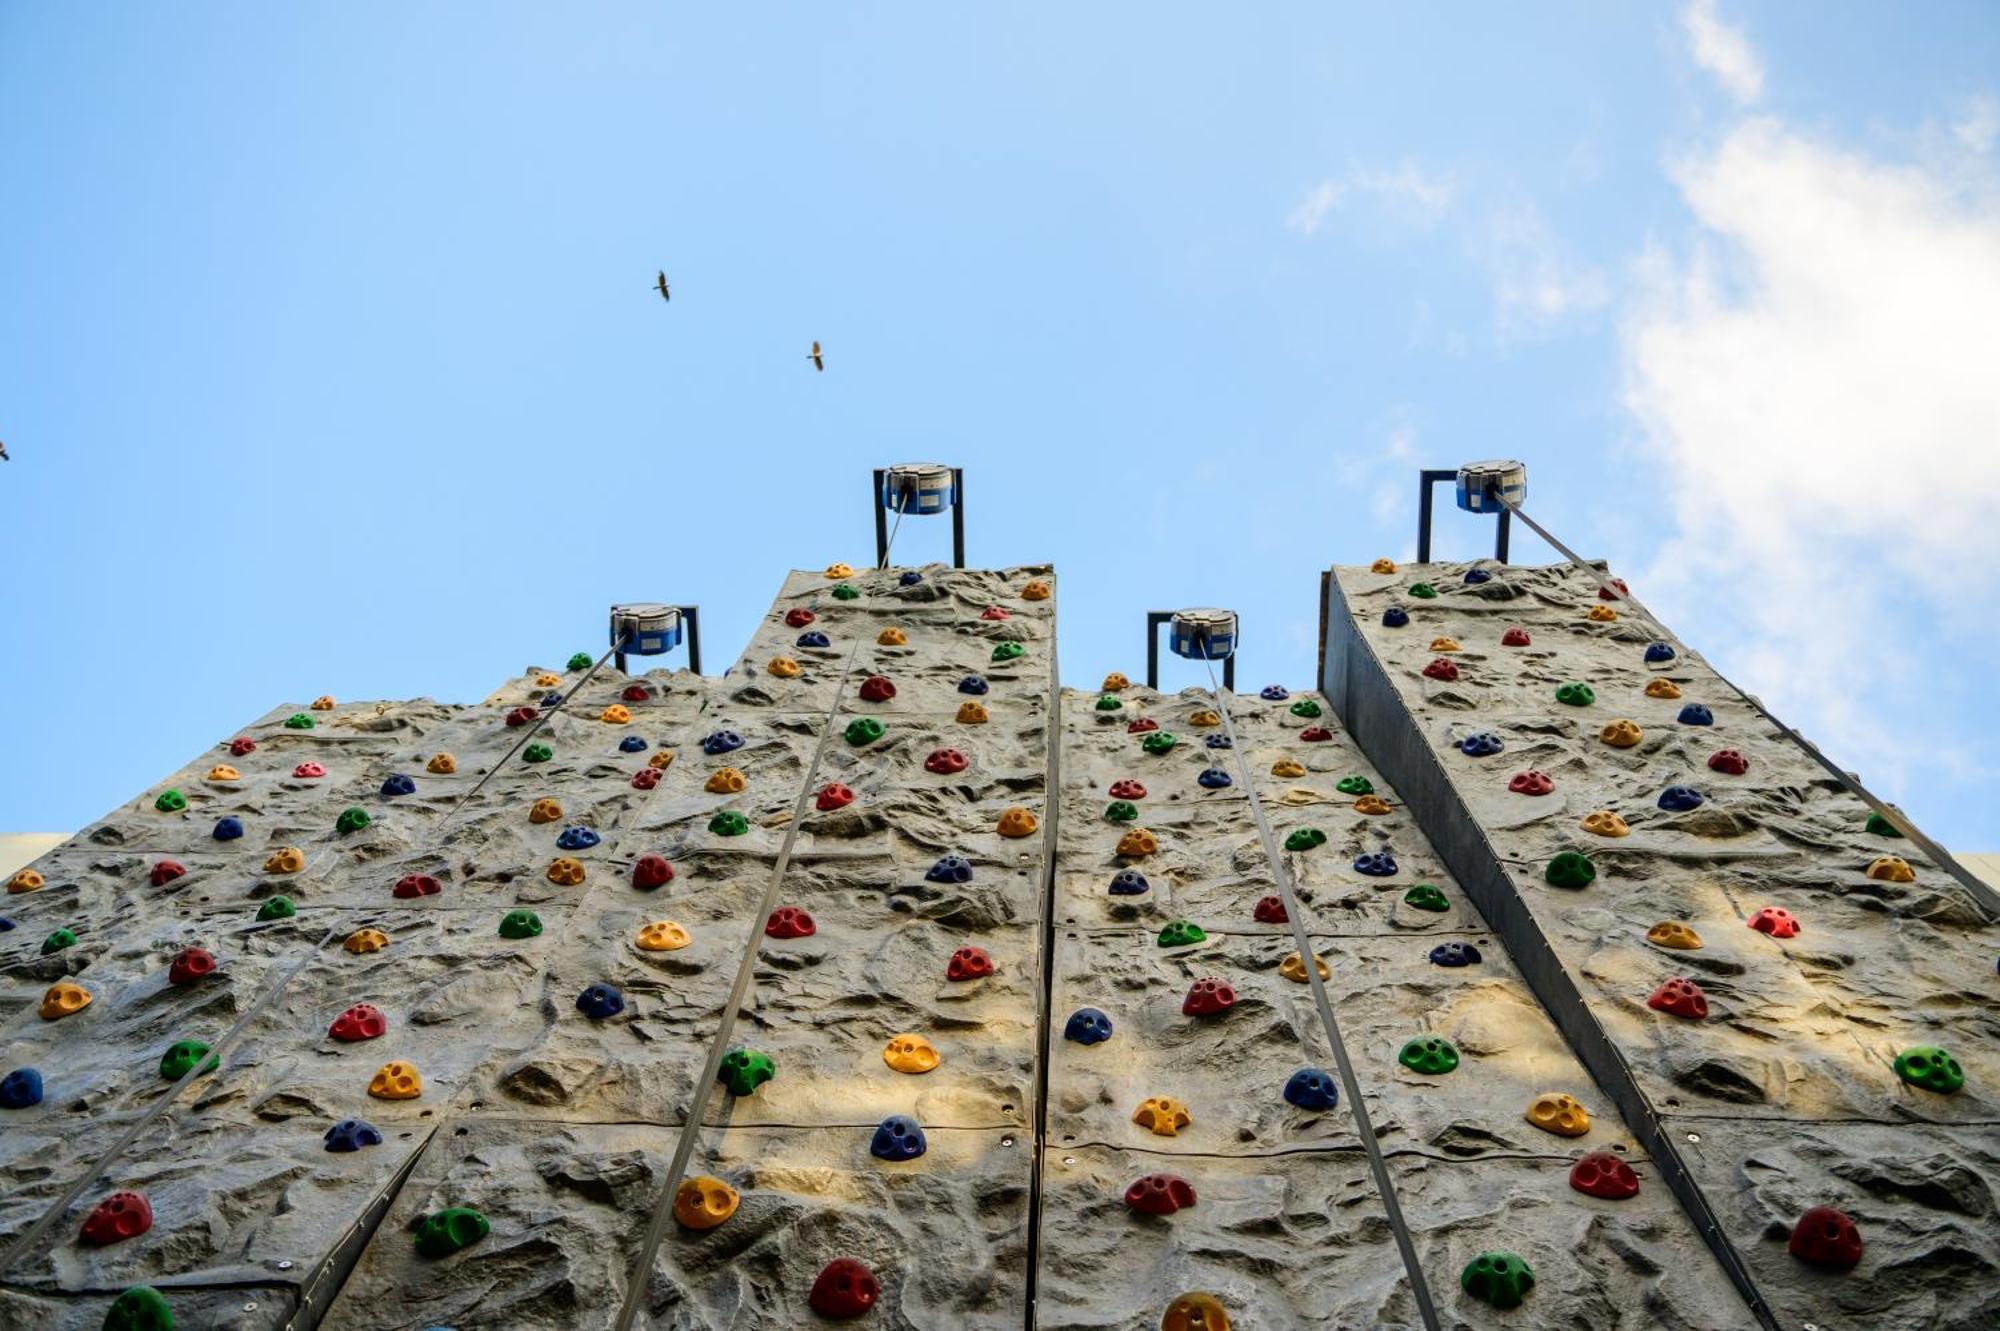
<point x="1159" y="1194"/>
<point x="1514" y="637"/>
<point x="366" y="940"/>
<point x="1270" y="910"/>
<point x="1376" y="864"/>
<point x="1891" y="869"/>
<point x="1018" y="822"/>
<point x="652" y="871"/>
<point x="351" y="1134"/>
<point x="635" y="693"/>
<point x="862" y="730"/>
<point x="1881" y="826"/>
<point x="1930" y="1067"/>
<point x="1128" y="789"/>
<point x="646" y="778"/>
<point x="181" y="1057"/>
<point x="1218" y="742"/>
<point x="662" y="936"/>
<point x="544" y="811"/>
<point x="1604" y="593"/>
<point x="1382" y="566"/>
<point x="744" y="1070"/>
<point x="813" y="639"/>
<point x="228" y="829"/>
<point x="190" y="964"/>
<point x="1311" y="1088"/>
<point x="1137" y="843"/>
<point x="537" y="753"/>
<point x="1009" y="651"/>
<point x="1395" y="617"/>
<point x="1426" y="896"/>
<point x="351" y="820"/>
<point x="165" y="871"/>
<point x="1603" y="822"/>
<point x="1826" y="1237"/>
<point x="845" y="1288"/>
<point x="1601" y="614"/>
<point x="789" y="922"/>
<point x="831" y="796"/>
<point x="1730" y="762"/>
<point x="1288" y="767"/>
<point x="945" y="762"/>
<point x="309" y="771"/>
<point x="1570" y="869"/>
<point x="140" y="1308"/>
<point x="975" y="685"/>
<point x="579" y="661"/>
<point x="1144" y="725"/>
<point x="1354" y="785"/>
<point x="521" y="716"/>
<point x="1680" y="996"/>
<point x="1775" y="921"/>
<point x="1574" y="694"/>
<point x="1602" y="1174"/>
<point x="1305" y="707"/>
<point x="241" y="746"/>
<point x="363" y="1021"/>
<point x="599" y="1001"/>
<point x="1159" y="741"/>
<point x="1657" y="652"/>
<point x="783" y="667"/>
<point x="1304" y="838"/>
<point x="1481" y="744"/>
<point x="1181" y="933"/>
<point x="1087" y="1025"/>
<point x="617" y="714"/>
<point x="837" y="570"/>
<point x="969" y="963"/>
<point x="1674" y="934"/>
<point x="170" y="801"/>
<point x="520" y="924"/>
<point x="547" y="680"/>
<point x="845" y="592"/>
<point x="1695" y="714"/>
<point x="898" y="1137"/>
<point x="57" y="941"/>
<point x="1432" y="1055"/>
<point x="799" y="617"/>
<point x="1455" y="954"/>
<point x="725" y="781"/>
<point x="443" y="1233"/>
<point x="1498" y="1278"/>
<point x="442" y="764"/>
<point x="1035" y="590"/>
<point x="877" y="688"/>
<point x="1205" y="718"/>
<point x="1679" y="799"/>
<point x="22" y="1088"/>
<point x="704" y="1201"/>
<point x="399" y="784"/>
<point x="298" y="721"/>
<point x="971" y="714"/>
<point x="1315" y="735"/>
<point x="1423" y="591"/>
<point x="1162" y="1115"/>
<point x="1128" y="883"/>
<point x="1208" y="996"/>
<point x="728" y="822"/>
<point x="1621" y="734"/>
<point x="1214" y="778"/>
<point x="720" y="742"/>
<point x="1441" y="669"/>
<point x="1662" y="688"/>
<point x="993" y="613"/>
<point x="1294" y="969"/>
<point x="1121" y="811"/>
<point x="893" y="637"/>
<point x="277" y="908"/>
<point x="396" y="1080"/>
<point x="1372" y="804"/>
<point x="565" y="871"/>
<point x="1195" y="1311"/>
<point x="1561" y="1114"/>
<point x="949" y="869"/>
<point x="909" y="578"/>
<point x="910" y="1053"/>
<point x="224" y="772"/>
<point x="1531" y="782"/>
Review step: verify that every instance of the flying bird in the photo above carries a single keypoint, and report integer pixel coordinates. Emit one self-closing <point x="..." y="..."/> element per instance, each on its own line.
<point x="3" y="454"/>
<point x="819" y="361"/>
<point x="661" y="286"/>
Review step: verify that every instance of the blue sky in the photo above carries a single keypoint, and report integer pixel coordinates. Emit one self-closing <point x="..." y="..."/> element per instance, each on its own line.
<point x="328" y="361"/>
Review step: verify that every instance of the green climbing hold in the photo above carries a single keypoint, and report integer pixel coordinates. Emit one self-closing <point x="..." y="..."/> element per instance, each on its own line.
<point x="1575" y="694"/>
<point x="180" y="1056"/>
<point x="1423" y="591"/>
<point x="1159" y="741"/>
<point x="845" y="592"/>
<point x="537" y="753"/>
<point x="1881" y="826"/>
<point x="444" y="1232"/>
<point x="728" y="822"/>
<point x="1426" y="896"/>
<point x="351" y="820"/>
<point x="299" y="721"/>
<point x="863" y="730"/>
<point x="1570" y="869"/>
<point x="1182" y="933"/>
<point x="277" y="908"/>
<point x="1108" y="702"/>
<point x="520" y="924"/>
<point x="581" y="661"/>
<point x="1009" y="651"/>
<point x="1498" y="1278"/>
<point x="1431" y="1055"/>
<point x="1305" y="707"/>
<point x="1354" y="785"/>
<point x="1122" y="811"/>
<point x="58" y="940"/>
<point x="1305" y="838"/>
<point x="170" y="801"/>
<point x="140" y="1308"/>
<point x="1930" y="1067"/>
<point x="744" y="1070"/>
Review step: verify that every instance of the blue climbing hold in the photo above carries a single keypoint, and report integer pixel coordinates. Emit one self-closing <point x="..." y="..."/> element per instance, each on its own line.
<point x="351" y="1134"/>
<point x="1659" y="651"/>
<point x="6" y="925"/>
<point x="973" y="685"/>
<point x="1274" y="693"/>
<point x="1696" y="714"/>
<point x="1129" y="883"/>
<point x="577" y="838"/>
<point x="1376" y="864"/>
<point x="20" y="1088"/>
<point x="1475" y="576"/>
<point x="1087" y="1025"/>
<point x="722" y="741"/>
<point x="1455" y="954"/>
<point x="1679" y="799"/>
<point x="1312" y="1088"/>
<point x="815" y="639"/>
<point x="552" y="699"/>
<point x="1214" y="778"/>
<point x="950" y="869"/>
<point x="910" y="579"/>
<point x="898" y="1138"/>
<point x="1395" y="617"/>
<point x="631" y="744"/>
<point x="228" y="829"/>
<point x="399" y="785"/>
<point x="1481" y="744"/>
<point x="600" y="1001"/>
<point x="1218" y="742"/>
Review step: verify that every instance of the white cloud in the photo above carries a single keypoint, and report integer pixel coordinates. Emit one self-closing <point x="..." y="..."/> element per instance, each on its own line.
<point x="1535" y="284"/>
<point x="1723" y="51"/>
<point x="1409" y="193"/>
<point x="1980" y="126"/>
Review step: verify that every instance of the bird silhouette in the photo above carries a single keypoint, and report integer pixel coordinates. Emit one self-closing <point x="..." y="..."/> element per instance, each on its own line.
<point x="819" y="361"/>
<point x="661" y="286"/>
<point x="3" y="454"/>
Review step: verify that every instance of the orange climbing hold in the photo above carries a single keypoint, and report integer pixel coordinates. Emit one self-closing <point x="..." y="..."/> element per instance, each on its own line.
<point x="839" y="570"/>
<point x="1294" y="969"/>
<point x="1195" y="1310"/>
<point x="544" y="811"/>
<point x="617" y="714"/>
<point x="725" y="781"/>
<point x="972" y="714"/>
<point x="565" y="872"/>
<point x="1674" y="934"/>
<point x="1114" y="682"/>
<point x="224" y="772"/>
<point x="661" y="761"/>
<point x="288" y="859"/>
<point x="1601" y="614"/>
<point x="27" y="880"/>
<point x="784" y="667"/>
<point x="62" y="999"/>
<point x="1205" y="718"/>
<point x="442" y="764"/>
<point x="1445" y="645"/>
<point x="1162" y="1115"/>
<point x="546" y="680"/>
<point x="1383" y="566"/>
<point x="396" y="1081"/>
<point x="1288" y="767"/>
<point x="1372" y="804"/>
<point x="663" y="936"/>
<point x="1603" y="822"/>
<point x="1662" y="688"/>
<point x="911" y="1053"/>
<point x="1037" y="590"/>
<point x="1561" y="1114"/>
<point x="704" y="1201"/>
<point x="893" y="637"/>
<point x="1621" y="734"/>
<point x="366" y="940"/>
<point x="323" y="703"/>
<point x="1137" y="842"/>
<point x="1891" y="869"/>
<point x="1017" y="822"/>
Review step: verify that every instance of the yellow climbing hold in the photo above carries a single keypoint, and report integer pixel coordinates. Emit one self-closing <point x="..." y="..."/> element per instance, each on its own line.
<point x="617" y="714"/>
<point x="893" y="637"/>
<point x="1621" y="734"/>
<point x="911" y="1053"/>
<point x="1205" y="717"/>
<point x="27" y="880"/>
<point x="1662" y="688"/>
<point x="64" y="998"/>
<point x="1601" y="614"/>
<point x="544" y="811"/>
<point x="725" y="781"/>
<point x="1195" y="1311"/>
<point x="1444" y="644"/>
<point x="286" y="859"/>
<point x="1674" y="934"/>
<point x="1560" y="1114"/>
<point x="663" y="936"/>
<point x="662" y="760"/>
<point x="1371" y="804"/>
<point x="1115" y="681"/>
<point x="396" y="1081"/>
<point x="565" y="872"/>
<point x="224" y="772"/>
<point x="1294" y="969"/>
<point x="366" y="940"/>
<point x="1017" y="822"/>
<point x="1383" y="566"/>
<point x="323" y="703"/>
<point x="1162" y="1115"/>
<point x="442" y="764"/>
<point x="839" y="570"/>
<point x="1037" y="590"/>
<point x="1137" y="842"/>
<point x="1603" y="822"/>
<point x="784" y="667"/>
<point x="1891" y="869"/>
<point x="545" y="680"/>
<point x="704" y="1201"/>
<point x="1288" y="767"/>
<point x="972" y="713"/>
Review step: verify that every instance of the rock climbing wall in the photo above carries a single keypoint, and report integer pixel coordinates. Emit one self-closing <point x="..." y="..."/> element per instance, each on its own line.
<point x="1803" y="1000"/>
<point x="1196" y="1147"/>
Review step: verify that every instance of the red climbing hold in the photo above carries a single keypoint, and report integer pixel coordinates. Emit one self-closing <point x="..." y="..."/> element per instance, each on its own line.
<point x="993" y="612"/>
<point x="165" y="872"/>
<point x="636" y="693"/>
<point x="242" y="745"/>
<point x="521" y="716"/>
<point x="969" y="963"/>
<point x="877" y="688"/>
<point x="1681" y="997"/>
<point x="1602" y="1174"/>
<point x="798" y="619"/>
<point x="122" y="1215"/>
<point x="1144" y="725"/>
<point x="646" y="778"/>
<point x="790" y="922"/>
<point x="945" y="762"/>
<point x="1159" y="1194"/>
<point x="1208" y="996"/>
<point x="1604" y="594"/>
<point x="417" y="885"/>
<point x="1775" y="921"/>
<point x="1826" y="1237"/>
<point x="1514" y="637"/>
<point x="308" y="771"/>
<point x="1441" y="669"/>
<point x="1315" y="734"/>
<point x="833" y="795"/>
<point x="363" y="1021"/>
<point x="1128" y="790"/>
<point x="652" y="871"/>
<point x="1730" y="762"/>
<point x="1271" y="910"/>
<point x="189" y="965"/>
<point x="1532" y="782"/>
<point x="844" y="1289"/>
